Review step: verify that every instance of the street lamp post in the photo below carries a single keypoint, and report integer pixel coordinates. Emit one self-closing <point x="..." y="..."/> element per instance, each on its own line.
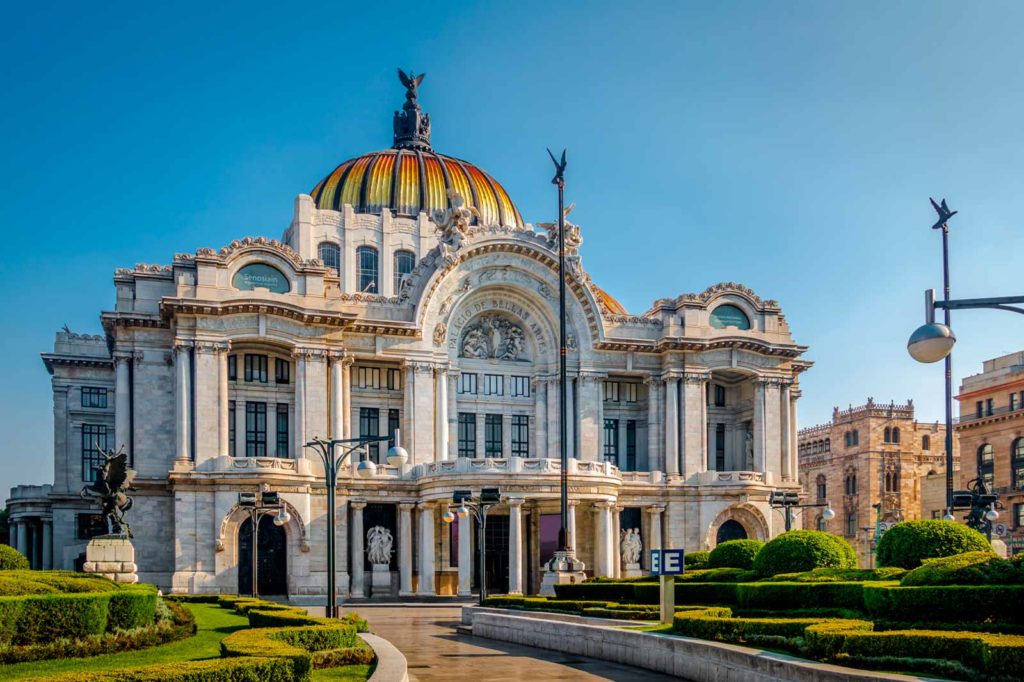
<point x="479" y="507"/>
<point x="258" y="505"/>
<point x="932" y="342"/>
<point x="789" y="500"/>
<point x="332" y="465"/>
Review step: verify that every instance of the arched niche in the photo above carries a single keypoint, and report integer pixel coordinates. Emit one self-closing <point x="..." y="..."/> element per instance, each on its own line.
<point x="746" y="515"/>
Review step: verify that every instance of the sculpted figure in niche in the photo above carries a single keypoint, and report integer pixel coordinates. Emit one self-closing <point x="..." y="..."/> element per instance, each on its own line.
<point x="476" y="343"/>
<point x="748" y="446"/>
<point x="493" y="337"/>
<point x="379" y="542"/>
<point x="631" y="546"/>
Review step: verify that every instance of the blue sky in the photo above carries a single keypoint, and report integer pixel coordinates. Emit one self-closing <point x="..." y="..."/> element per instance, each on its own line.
<point x="791" y="146"/>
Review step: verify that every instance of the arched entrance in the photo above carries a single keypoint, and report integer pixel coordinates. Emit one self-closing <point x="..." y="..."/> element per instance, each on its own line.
<point x="730" y="530"/>
<point x="271" y="556"/>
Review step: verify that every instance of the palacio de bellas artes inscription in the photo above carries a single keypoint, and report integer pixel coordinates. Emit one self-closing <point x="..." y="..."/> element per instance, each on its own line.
<point x="409" y="294"/>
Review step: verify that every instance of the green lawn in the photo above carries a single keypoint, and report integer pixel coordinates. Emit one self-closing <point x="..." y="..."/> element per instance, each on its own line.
<point x="213" y="623"/>
<point x="348" y="673"/>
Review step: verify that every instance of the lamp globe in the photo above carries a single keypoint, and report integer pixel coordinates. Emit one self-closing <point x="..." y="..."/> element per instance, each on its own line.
<point x="931" y="342"/>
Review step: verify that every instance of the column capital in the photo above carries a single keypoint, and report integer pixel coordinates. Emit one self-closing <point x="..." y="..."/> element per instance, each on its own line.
<point x="587" y="376"/>
<point x="656" y="508"/>
<point x="603" y="504"/>
<point x="515" y="501"/>
<point x="338" y="357"/>
<point x="773" y="381"/>
<point x="425" y="506"/>
<point x="440" y="371"/>
<point x="671" y="375"/>
<point x="696" y="377"/>
<point x="418" y="367"/>
<point x="358" y="504"/>
<point x="406" y="506"/>
<point x="212" y="347"/>
<point x="653" y="380"/>
<point x="572" y="503"/>
<point x="183" y="345"/>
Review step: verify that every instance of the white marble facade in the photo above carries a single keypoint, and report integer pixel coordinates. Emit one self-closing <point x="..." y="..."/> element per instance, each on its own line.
<point x="680" y="419"/>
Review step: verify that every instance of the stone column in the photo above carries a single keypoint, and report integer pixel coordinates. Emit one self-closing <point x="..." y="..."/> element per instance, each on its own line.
<point x="672" y="425"/>
<point x="183" y="400"/>
<point x="695" y="427"/>
<point x="12" y="532"/>
<point x="571" y="523"/>
<point x="36" y="559"/>
<point x="299" y="430"/>
<point x="358" y="553"/>
<point x="554" y="427"/>
<point x="338" y="402"/>
<point x="515" y="546"/>
<point x="759" y="425"/>
<point x="794" y="459"/>
<point x="589" y="418"/>
<point x="22" y="537"/>
<point x="570" y="418"/>
<point x="405" y="549"/>
<point x="773" y="429"/>
<point x="452" y="446"/>
<point x="408" y="416"/>
<point x="346" y="397"/>
<point x="465" y="555"/>
<point x="239" y="428"/>
<point x="616" y="545"/>
<point x="481" y="430"/>
<point x="122" y="401"/>
<point x="603" y="529"/>
<point x="785" y="424"/>
<point x="47" y="544"/>
<point x="342" y="546"/>
<point x="222" y="400"/>
<point x="441" y="414"/>
<point x="654" y="437"/>
<point x="427" y="549"/>
<point x="539" y="444"/>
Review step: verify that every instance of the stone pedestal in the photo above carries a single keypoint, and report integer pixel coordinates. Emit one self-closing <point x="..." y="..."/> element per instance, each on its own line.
<point x="632" y="571"/>
<point x="380" y="584"/>
<point x="112" y="556"/>
<point x="564" y="568"/>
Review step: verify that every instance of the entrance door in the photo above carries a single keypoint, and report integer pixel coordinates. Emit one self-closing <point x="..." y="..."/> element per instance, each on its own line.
<point x="730" y="530"/>
<point x="271" y="557"/>
<point x="495" y="555"/>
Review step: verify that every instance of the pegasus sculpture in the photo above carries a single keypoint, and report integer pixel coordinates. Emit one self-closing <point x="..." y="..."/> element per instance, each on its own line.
<point x="110" y="490"/>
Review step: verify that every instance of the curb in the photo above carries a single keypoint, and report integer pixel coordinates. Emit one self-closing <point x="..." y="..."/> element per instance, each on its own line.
<point x="391" y="663"/>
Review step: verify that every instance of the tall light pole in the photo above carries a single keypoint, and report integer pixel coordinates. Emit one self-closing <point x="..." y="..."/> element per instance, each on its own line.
<point x="932" y="342"/>
<point x="788" y="500"/>
<point x="478" y="507"/>
<point x="332" y="465"/>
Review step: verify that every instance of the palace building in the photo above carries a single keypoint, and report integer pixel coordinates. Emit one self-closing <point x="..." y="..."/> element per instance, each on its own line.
<point x="409" y="295"/>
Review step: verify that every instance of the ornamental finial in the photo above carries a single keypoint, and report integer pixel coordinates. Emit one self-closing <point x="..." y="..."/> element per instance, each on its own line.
<point x="412" y="126"/>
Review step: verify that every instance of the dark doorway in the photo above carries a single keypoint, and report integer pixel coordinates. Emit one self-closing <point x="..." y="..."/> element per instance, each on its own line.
<point x="271" y="557"/>
<point x="495" y="555"/>
<point x="380" y="515"/>
<point x="730" y="530"/>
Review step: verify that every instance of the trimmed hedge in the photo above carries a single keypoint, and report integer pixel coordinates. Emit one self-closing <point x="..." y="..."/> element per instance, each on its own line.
<point x="132" y="606"/>
<point x="735" y="554"/>
<point x="716" y="575"/>
<point x="946" y="603"/>
<point x="19" y="583"/>
<point x="720" y="625"/>
<point x="804" y="550"/>
<point x="839" y="575"/>
<point x="649" y="593"/>
<point x="786" y="596"/>
<point x="12" y="560"/>
<point x="210" y="670"/>
<point x="909" y="543"/>
<point x="696" y="560"/>
<point x="291" y="644"/>
<point x="970" y="568"/>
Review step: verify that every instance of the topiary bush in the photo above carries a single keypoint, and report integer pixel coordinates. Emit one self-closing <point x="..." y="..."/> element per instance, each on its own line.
<point x="696" y="560"/>
<point x="970" y="568"/>
<point x="840" y="575"/>
<point x="804" y="550"/>
<point x="735" y="554"/>
<point x="909" y="543"/>
<point x="12" y="560"/>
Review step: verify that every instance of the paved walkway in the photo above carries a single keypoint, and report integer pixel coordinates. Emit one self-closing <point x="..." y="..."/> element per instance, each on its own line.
<point x="425" y="633"/>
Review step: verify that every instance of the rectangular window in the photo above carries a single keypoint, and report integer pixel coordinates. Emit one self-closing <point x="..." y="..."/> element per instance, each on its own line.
<point x="369" y="425"/>
<point x="393" y="425"/>
<point x="719" y="447"/>
<point x="282" y="371"/>
<point x="93" y="396"/>
<point x="282" y="430"/>
<point x="394" y="379"/>
<point x="232" y="368"/>
<point x="629" y="391"/>
<point x="467" y="383"/>
<point x="520" y="387"/>
<point x="255" y="429"/>
<point x="231" y="428"/>
<point x="369" y="377"/>
<point x="93" y="436"/>
<point x="989" y="408"/>
<point x="520" y="435"/>
<point x="719" y="396"/>
<point x="980" y="407"/>
<point x="492" y="435"/>
<point x="851" y="525"/>
<point x="1013" y="402"/>
<point x="256" y="368"/>
<point x="611" y="441"/>
<point x="1018" y="515"/>
<point x="494" y="384"/>
<point x="467" y="433"/>
<point x="631" y="444"/>
<point x="88" y="526"/>
<point x="611" y="391"/>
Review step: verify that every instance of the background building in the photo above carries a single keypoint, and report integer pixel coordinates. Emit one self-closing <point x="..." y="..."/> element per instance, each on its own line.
<point x="870" y="455"/>
<point x="408" y="293"/>
<point x="991" y="434"/>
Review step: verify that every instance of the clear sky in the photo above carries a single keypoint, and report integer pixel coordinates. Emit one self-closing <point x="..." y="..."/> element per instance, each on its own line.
<point x="790" y="146"/>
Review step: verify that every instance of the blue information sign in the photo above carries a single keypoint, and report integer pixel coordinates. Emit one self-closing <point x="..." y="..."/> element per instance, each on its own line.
<point x="667" y="561"/>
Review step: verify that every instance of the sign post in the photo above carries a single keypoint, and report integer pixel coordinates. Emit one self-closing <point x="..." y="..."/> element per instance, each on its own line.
<point x="667" y="564"/>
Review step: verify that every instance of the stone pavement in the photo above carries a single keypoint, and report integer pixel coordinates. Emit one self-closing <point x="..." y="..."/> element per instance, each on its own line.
<point x="425" y="633"/>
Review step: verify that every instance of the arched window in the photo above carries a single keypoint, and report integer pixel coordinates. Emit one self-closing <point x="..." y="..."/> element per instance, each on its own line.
<point x="330" y="254"/>
<point x="853" y="484"/>
<point x="1017" y="464"/>
<point x="828" y="445"/>
<point x="888" y="435"/>
<point x="366" y="262"/>
<point x="856" y="437"/>
<point x="847" y="439"/>
<point x="888" y="481"/>
<point x="896" y="434"/>
<point x="404" y="262"/>
<point x="822" y="488"/>
<point x="986" y="468"/>
<point x="729" y="316"/>
<point x="926" y="442"/>
<point x="821" y="523"/>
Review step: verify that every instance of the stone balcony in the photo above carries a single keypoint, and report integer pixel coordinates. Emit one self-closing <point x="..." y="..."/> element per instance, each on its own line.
<point x="513" y="465"/>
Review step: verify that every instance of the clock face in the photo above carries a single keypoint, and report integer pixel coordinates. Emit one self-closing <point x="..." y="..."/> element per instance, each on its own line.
<point x="261" y="276"/>
<point x="729" y="316"/>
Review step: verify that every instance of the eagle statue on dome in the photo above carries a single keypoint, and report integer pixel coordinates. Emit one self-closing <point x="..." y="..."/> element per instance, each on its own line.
<point x="411" y="83"/>
<point x="110" y="489"/>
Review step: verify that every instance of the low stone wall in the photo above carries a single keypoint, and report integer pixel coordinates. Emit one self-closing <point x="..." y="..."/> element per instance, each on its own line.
<point x="692" y="659"/>
<point x="391" y="663"/>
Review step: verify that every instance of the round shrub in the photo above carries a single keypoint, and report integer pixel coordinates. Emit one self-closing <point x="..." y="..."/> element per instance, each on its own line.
<point x="697" y="560"/>
<point x="909" y="543"/>
<point x="11" y="559"/>
<point x="804" y="550"/>
<point x="970" y="568"/>
<point x="735" y="554"/>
